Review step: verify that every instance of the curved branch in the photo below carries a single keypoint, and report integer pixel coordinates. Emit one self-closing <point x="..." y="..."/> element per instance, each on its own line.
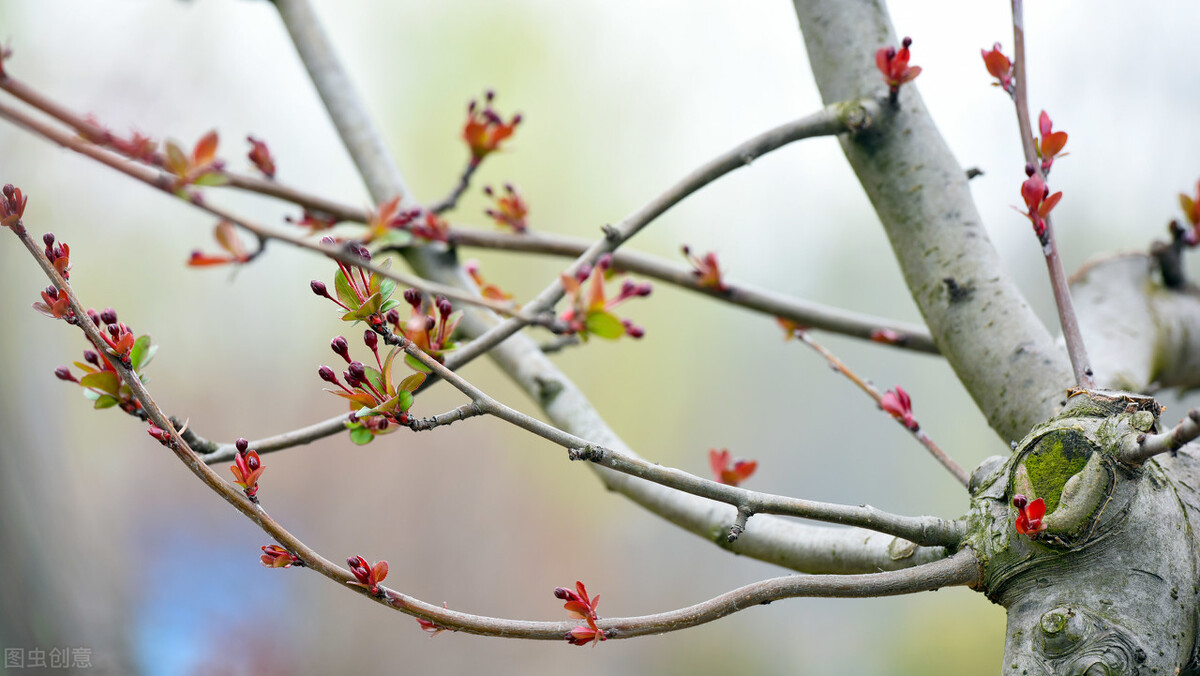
<point x="962" y="569"/>
<point x="1003" y="355"/>
<point x="838" y="118"/>
<point x="1147" y="446"/>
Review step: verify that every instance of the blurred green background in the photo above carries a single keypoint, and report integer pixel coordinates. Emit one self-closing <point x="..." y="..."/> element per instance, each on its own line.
<point x="107" y="543"/>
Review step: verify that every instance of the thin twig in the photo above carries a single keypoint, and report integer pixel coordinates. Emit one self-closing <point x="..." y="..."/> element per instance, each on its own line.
<point x="157" y="179"/>
<point x="461" y="413"/>
<point x="921" y="530"/>
<point x="835" y="119"/>
<point x="838" y="365"/>
<point x="807" y="313"/>
<point x="464" y="181"/>
<point x="1146" y="446"/>
<point x="1058" y="277"/>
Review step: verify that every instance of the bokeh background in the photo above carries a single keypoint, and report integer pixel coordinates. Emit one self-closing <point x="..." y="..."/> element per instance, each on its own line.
<point x="107" y="543"/>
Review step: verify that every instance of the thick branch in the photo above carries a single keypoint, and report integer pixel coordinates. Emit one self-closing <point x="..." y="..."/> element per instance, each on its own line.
<point x="1002" y="354"/>
<point x="1141" y="335"/>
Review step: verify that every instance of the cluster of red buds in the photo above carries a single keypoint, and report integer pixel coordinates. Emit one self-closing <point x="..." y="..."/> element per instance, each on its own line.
<point x="375" y="402"/>
<point x="12" y="208"/>
<point x="100" y="381"/>
<point x="55" y="304"/>
<point x="1038" y="202"/>
<point x="706" y="269"/>
<point x="1000" y="67"/>
<point x="486" y="289"/>
<point x="893" y="64"/>
<point x="368" y="576"/>
<point x="274" y="556"/>
<point x="226" y="235"/>
<point x="511" y="209"/>
<point x="200" y="168"/>
<point x="1029" y="515"/>
<point x="363" y="297"/>
<point x="898" y="404"/>
<point x="728" y="470"/>
<point x="430" y="326"/>
<point x="1051" y="143"/>
<point x="260" y="156"/>
<point x="485" y="130"/>
<point x="390" y="225"/>
<point x="581" y="607"/>
<point x="247" y="468"/>
<point x="59" y="255"/>
<point x="589" y="312"/>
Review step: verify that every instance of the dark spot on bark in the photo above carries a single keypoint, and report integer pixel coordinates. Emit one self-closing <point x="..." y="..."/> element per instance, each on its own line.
<point x="958" y="292"/>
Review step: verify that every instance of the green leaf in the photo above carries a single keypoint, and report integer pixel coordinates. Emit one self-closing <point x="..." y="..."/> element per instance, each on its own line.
<point x="604" y="324"/>
<point x="388" y="305"/>
<point x="392" y="239"/>
<point x="386" y="288"/>
<point x="86" y="368"/>
<point x="370" y="306"/>
<point x="387" y="371"/>
<point x="211" y="178"/>
<point x="375" y="378"/>
<point x="405" y="400"/>
<point x="105" y="381"/>
<point x="142" y="352"/>
<point x="344" y="292"/>
<point x="416" y="365"/>
<point x="411" y="383"/>
<point x="91" y="394"/>
<point x="176" y="162"/>
<point x="361" y="435"/>
<point x="105" y="401"/>
<point x="365" y="412"/>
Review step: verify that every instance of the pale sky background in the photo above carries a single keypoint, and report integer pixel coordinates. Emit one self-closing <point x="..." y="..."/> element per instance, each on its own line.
<point x="118" y="548"/>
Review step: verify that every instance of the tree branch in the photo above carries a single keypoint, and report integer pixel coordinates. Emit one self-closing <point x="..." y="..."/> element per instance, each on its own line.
<point x="938" y="454"/>
<point x="997" y="347"/>
<point x="962" y="569"/>
<point x="1142" y="336"/>
<point x="1058" y="278"/>
<point x="807" y="313"/>
<point x="928" y="531"/>
<point x="1146" y="446"/>
<point x="838" y="118"/>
